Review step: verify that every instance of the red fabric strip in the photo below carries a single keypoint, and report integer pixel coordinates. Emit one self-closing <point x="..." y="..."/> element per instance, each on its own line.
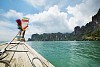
<point x="25" y="20"/>
<point x="19" y="22"/>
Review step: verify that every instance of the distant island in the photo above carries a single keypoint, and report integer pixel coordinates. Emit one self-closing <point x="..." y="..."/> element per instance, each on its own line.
<point x="90" y="32"/>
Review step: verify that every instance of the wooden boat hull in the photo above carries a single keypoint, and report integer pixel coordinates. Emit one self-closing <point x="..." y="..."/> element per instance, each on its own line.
<point x="22" y="55"/>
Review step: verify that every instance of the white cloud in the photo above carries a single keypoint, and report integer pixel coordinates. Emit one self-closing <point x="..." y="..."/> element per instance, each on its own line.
<point x="82" y="13"/>
<point x="36" y="3"/>
<point x="13" y="14"/>
<point x="7" y="30"/>
<point x="52" y="20"/>
<point x="46" y="4"/>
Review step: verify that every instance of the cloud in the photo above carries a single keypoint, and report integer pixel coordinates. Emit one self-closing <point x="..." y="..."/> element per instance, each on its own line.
<point x="46" y="4"/>
<point x="8" y="27"/>
<point x="82" y="13"/>
<point x="36" y="3"/>
<point x="13" y="14"/>
<point x="7" y="30"/>
<point x="52" y="20"/>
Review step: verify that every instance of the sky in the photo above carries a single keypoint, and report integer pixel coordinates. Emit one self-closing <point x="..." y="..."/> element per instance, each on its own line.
<point x="45" y="16"/>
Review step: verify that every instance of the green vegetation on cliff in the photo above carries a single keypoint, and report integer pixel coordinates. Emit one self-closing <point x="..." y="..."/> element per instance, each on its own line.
<point x="91" y="31"/>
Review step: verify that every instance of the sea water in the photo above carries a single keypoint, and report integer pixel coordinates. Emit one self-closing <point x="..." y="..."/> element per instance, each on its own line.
<point x="69" y="53"/>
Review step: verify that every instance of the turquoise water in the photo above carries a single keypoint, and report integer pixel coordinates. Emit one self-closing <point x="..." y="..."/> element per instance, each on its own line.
<point x="69" y="53"/>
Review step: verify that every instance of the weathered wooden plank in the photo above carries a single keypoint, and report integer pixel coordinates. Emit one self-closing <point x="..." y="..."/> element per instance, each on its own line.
<point x="20" y="59"/>
<point x="24" y="59"/>
<point x="45" y="62"/>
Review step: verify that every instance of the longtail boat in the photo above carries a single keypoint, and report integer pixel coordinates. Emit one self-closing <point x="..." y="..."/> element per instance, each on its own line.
<point x="17" y="53"/>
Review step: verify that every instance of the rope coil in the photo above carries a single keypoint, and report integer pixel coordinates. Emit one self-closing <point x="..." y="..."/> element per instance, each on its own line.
<point x="39" y="60"/>
<point x="2" y="56"/>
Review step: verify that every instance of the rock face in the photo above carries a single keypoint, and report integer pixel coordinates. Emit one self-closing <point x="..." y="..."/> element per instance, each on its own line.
<point x="49" y="37"/>
<point x="77" y="30"/>
<point x="89" y="27"/>
<point x="91" y="31"/>
<point x="96" y="18"/>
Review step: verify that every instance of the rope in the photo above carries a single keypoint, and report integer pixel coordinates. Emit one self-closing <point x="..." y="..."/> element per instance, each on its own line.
<point x="8" y="63"/>
<point x="13" y="46"/>
<point x="13" y="54"/>
<point x="11" y="41"/>
<point x="28" y="48"/>
<point x="5" y="62"/>
<point x="35" y="57"/>
<point x="39" y="60"/>
<point x="29" y="58"/>
<point x="2" y="56"/>
<point x="15" y="51"/>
